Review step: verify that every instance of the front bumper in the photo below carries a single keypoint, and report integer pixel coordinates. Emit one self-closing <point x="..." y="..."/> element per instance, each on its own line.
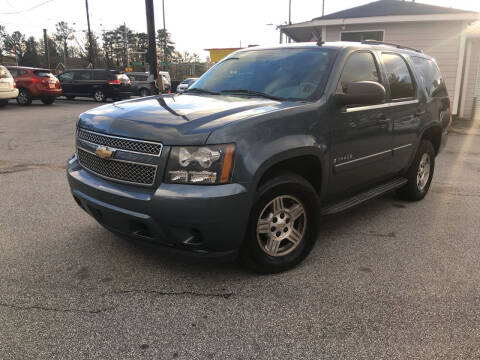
<point x="208" y="221"/>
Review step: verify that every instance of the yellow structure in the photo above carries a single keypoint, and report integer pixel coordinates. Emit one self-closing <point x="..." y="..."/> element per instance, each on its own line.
<point x="218" y="54"/>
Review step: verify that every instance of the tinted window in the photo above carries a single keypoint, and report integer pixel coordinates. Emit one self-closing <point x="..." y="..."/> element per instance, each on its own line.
<point x="4" y="74"/>
<point x="66" y="76"/>
<point x="399" y="79"/>
<point x="286" y="73"/>
<point x="430" y="76"/>
<point x="138" y="77"/>
<point x="43" y="73"/>
<point x="360" y="66"/>
<point x="102" y="75"/>
<point x="83" y="75"/>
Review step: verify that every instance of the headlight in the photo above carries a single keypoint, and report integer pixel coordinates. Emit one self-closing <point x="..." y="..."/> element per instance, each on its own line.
<point x="210" y="164"/>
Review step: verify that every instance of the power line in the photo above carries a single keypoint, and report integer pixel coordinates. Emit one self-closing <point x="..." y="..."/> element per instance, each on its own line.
<point x="25" y="10"/>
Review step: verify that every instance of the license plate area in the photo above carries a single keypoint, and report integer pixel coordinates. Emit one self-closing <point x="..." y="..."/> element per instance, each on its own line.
<point x="51" y="86"/>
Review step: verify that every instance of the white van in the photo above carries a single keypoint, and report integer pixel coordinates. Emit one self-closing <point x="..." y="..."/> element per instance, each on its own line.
<point x="7" y="86"/>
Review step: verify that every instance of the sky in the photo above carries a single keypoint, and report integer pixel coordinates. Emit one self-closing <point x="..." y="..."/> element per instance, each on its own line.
<point x="195" y="25"/>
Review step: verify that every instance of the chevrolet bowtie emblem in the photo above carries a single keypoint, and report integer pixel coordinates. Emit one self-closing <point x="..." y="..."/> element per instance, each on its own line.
<point x="104" y="152"/>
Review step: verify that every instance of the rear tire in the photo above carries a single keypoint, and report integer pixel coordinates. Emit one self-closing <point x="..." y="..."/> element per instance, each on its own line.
<point x="144" y="92"/>
<point x="48" y="100"/>
<point x="419" y="174"/>
<point x="69" y="97"/>
<point x="99" y="96"/>
<point x="3" y="103"/>
<point x="282" y="226"/>
<point x="24" y="97"/>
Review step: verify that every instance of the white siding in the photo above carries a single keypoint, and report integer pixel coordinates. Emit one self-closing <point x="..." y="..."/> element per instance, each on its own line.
<point x="472" y="80"/>
<point x="438" y="39"/>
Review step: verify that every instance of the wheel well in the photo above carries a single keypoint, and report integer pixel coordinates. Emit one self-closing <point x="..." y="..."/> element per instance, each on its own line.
<point x="434" y="135"/>
<point x="307" y="166"/>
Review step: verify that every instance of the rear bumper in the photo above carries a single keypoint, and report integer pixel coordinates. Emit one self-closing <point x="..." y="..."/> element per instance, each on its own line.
<point x="39" y="93"/>
<point x="205" y="221"/>
<point x="119" y="93"/>
<point x="5" y="95"/>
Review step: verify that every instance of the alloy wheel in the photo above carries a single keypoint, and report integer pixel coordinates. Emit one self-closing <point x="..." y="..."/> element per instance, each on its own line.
<point x="423" y="172"/>
<point x="281" y="225"/>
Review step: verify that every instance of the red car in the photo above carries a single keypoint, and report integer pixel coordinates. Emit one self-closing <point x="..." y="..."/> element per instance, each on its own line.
<point x="34" y="83"/>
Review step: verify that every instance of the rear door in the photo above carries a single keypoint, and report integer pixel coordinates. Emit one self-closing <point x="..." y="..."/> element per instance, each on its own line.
<point x="66" y="82"/>
<point x="361" y="136"/>
<point x="82" y="82"/>
<point x="406" y="108"/>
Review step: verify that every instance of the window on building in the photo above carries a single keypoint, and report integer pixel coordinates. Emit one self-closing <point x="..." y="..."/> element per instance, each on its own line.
<point x="399" y="78"/>
<point x="361" y="35"/>
<point x="431" y="77"/>
<point x="360" y="66"/>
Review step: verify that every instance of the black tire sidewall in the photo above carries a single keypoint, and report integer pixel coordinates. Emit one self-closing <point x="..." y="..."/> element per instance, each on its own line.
<point x="411" y="190"/>
<point x="28" y="96"/>
<point x="49" y="100"/>
<point x="292" y="185"/>
<point x="3" y="103"/>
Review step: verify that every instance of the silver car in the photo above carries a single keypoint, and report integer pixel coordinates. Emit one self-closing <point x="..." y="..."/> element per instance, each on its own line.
<point x="141" y="82"/>
<point x="185" y="84"/>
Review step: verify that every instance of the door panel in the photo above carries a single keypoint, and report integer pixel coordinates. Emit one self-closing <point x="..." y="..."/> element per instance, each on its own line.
<point x="361" y="136"/>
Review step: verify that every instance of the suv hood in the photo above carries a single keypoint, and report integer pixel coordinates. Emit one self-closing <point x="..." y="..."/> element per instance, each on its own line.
<point x="175" y="119"/>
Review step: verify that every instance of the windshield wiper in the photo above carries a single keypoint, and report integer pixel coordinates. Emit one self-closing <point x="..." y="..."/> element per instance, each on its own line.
<point x="201" y="91"/>
<point x="253" y="93"/>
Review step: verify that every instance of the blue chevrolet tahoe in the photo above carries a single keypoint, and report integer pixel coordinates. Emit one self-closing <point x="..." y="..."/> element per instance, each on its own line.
<point x="247" y="161"/>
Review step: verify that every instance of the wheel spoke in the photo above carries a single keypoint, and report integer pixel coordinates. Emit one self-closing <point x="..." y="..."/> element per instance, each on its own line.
<point x="294" y="236"/>
<point x="296" y="211"/>
<point x="272" y="246"/>
<point x="278" y="204"/>
<point x="263" y="226"/>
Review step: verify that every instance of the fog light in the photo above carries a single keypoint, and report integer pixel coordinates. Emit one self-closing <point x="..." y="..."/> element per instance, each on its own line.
<point x="204" y="177"/>
<point x="178" y="176"/>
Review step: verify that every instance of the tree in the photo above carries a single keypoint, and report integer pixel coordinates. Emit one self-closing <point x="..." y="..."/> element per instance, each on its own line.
<point x="61" y="36"/>
<point x="166" y="45"/>
<point x="15" y="43"/>
<point x="31" y="57"/>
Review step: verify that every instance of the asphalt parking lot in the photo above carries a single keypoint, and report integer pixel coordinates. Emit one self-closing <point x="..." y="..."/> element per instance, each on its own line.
<point x="389" y="279"/>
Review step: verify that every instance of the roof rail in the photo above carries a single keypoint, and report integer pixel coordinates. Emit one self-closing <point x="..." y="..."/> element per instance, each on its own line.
<point x="398" y="46"/>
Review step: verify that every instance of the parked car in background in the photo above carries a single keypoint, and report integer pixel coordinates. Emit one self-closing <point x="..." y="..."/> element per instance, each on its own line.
<point x="98" y="84"/>
<point x="250" y="157"/>
<point x="141" y="82"/>
<point x="7" y="86"/>
<point x="185" y="84"/>
<point x="35" y="84"/>
<point x="167" y="82"/>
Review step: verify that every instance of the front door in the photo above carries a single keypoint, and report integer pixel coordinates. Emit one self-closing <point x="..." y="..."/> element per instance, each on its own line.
<point x="66" y="81"/>
<point x="82" y="82"/>
<point x="361" y="136"/>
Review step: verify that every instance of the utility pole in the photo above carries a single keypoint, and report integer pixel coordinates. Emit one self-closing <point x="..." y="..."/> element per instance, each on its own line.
<point x="152" y="47"/>
<point x="90" y="52"/>
<point x="323" y="8"/>
<point x="47" y="52"/>
<point x="289" y="15"/>
<point x="164" y="38"/>
<point x="125" y="39"/>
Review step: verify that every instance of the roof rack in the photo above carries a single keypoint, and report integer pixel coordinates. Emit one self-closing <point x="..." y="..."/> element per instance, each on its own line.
<point x="398" y="46"/>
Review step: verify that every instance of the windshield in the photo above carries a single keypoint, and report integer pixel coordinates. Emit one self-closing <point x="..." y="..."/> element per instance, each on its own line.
<point x="283" y="73"/>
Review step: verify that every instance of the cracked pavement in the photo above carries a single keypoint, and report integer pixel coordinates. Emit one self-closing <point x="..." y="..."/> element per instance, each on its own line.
<point x="389" y="279"/>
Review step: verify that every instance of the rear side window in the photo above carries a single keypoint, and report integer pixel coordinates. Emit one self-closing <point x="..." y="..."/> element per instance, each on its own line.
<point x="399" y="78"/>
<point x="138" y="77"/>
<point x="66" y="76"/>
<point x="102" y="75"/>
<point x="83" y="75"/>
<point x="43" y="73"/>
<point x="4" y="73"/>
<point x="431" y="77"/>
<point x="360" y="66"/>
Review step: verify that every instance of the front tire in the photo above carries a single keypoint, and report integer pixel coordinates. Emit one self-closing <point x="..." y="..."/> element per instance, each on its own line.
<point x="282" y="226"/>
<point x="24" y="97"/>
<point x="99" y="96"/>
<point x="48" y="100"/>
<point x="419" y="174"/>
<point x="70" y="97"/>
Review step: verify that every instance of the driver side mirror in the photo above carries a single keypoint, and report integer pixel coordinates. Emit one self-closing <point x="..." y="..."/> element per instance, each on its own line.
<point x="362" y="93"/>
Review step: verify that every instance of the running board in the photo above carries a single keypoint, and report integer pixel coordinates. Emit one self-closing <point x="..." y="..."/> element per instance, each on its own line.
<point x="362" y="197"/>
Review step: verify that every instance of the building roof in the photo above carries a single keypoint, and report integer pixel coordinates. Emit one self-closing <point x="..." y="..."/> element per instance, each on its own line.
<point x="392" y="8"/>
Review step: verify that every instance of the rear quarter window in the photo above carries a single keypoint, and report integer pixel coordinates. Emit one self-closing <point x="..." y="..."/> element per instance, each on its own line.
<point x="43" y="73"/>
<point x="430" y="76"/>
<point x="402" y="85"/>
<point x="102" y="75"/>
<point x="4" y="73"/>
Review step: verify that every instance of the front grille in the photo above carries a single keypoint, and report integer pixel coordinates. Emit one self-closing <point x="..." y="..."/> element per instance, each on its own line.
<point x="139" y="146"/>
<point x="134" y="173"/>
